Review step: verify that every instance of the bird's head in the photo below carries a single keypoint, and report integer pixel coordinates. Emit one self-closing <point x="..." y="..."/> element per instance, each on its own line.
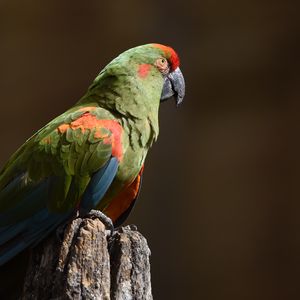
<point x="138" y="79"/>
<point x="168" y="65"/>
<point x="150" y="61"/>
<point x="153" y="59"/>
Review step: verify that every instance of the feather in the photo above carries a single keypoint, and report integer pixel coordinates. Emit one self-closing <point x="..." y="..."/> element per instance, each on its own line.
<point x="98" y="185"/>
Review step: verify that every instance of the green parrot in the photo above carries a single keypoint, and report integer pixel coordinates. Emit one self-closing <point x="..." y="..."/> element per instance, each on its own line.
<point x="92" y="156"/>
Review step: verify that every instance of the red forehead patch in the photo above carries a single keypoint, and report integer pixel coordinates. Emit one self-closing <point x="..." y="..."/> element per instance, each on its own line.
<point x="171" y="55"/>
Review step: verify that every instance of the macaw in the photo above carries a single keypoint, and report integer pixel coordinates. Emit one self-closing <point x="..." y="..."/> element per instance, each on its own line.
<point x="92" y="156"/>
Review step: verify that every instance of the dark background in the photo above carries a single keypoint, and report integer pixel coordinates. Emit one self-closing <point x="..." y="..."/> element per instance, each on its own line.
<point x="220" y="200"/>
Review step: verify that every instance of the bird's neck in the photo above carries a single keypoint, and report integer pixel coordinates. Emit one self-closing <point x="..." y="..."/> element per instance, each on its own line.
<point x="128" y="98"/>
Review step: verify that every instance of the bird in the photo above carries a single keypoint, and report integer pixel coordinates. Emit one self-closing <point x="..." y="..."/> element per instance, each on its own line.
<point x="90" y="159"/>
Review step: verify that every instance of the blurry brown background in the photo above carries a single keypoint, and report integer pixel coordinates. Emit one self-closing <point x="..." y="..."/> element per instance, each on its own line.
<point x="220" y="201"/>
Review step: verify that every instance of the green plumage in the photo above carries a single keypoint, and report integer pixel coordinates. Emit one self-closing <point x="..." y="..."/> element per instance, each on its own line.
<point x="119" y="94"/>
<point x="91" y="156"/>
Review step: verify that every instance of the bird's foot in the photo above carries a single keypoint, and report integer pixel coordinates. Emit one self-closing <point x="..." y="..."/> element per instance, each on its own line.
<point x="133" y="227"/>
<point x="103" y="218"/>
<point x="123" y="229"/>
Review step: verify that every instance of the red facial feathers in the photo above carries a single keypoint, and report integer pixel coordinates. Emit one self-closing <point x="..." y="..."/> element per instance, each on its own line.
<point x="144" y="70"/>
<point x="171" y="55"/>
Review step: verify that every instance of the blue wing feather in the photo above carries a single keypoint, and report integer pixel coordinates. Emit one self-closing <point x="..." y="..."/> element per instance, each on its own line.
<point x="26" y="232"/>
<point x="18" y="236"/>
<point x="31" y="234"/>
<point x="98" y="186"/>
<point x="8" y="232"/>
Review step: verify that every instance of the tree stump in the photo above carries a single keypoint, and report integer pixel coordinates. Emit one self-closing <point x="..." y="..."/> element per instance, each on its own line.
<point x="87" y="262"/>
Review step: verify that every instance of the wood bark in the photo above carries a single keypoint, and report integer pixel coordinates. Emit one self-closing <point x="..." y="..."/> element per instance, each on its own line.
<point x="84" y="261"/>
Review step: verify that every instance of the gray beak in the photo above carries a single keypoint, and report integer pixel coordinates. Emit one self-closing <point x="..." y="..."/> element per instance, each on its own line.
<point x="173" y="86"/>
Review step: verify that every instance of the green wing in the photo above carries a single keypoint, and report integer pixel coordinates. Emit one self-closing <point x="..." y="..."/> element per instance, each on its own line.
<point x="69" y="154"/>
<point x="43" y="182"/>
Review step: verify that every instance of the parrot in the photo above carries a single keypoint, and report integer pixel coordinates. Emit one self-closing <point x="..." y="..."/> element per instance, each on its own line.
<point x="90" y="159"/>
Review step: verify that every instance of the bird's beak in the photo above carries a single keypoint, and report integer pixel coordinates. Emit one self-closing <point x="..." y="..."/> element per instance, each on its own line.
<point x="173" y="86"/>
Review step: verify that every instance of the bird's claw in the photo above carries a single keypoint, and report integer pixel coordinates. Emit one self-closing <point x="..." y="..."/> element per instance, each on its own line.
<point x="103" y="218"/>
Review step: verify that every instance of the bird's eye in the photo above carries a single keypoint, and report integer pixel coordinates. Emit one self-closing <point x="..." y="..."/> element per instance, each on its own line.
<point x="162" y="65"/>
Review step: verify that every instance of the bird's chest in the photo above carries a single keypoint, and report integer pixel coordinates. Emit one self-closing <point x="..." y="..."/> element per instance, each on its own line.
<point x="128" y="170"/>
<point x="136" y="140"/>
<point x="136" y="145"/>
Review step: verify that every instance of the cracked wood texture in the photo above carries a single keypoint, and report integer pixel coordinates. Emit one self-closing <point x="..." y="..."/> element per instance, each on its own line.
<point x="86" y="262"/>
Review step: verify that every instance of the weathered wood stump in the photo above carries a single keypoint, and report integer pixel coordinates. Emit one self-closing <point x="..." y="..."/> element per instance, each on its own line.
<point x="88" y="263"/>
